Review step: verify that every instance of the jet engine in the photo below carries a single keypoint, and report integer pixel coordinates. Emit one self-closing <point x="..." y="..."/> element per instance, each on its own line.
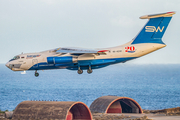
<point x="61" y="60"/>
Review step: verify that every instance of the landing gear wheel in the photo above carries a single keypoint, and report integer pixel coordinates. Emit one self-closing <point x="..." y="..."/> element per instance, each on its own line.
<point x="36" y="74"/>
<point x="89" y="71"/>
<point x="80" y="71"/>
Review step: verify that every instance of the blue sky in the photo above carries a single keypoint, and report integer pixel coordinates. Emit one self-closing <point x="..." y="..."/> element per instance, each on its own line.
<point x="37" y="25"/>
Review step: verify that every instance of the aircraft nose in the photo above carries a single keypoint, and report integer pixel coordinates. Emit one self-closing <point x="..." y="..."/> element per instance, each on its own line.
<point x="8" y="65"/>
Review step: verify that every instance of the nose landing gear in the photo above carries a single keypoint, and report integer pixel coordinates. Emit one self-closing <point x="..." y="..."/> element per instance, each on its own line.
<point x="36" y="73"/>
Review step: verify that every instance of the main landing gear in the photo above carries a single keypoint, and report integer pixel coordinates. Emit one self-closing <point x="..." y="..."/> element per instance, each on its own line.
<point x="36" y="73"/>
<point x="79" y="70"/>
<point x="89" y="71"/>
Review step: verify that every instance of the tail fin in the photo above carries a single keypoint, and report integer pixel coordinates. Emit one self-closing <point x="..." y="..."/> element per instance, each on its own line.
<point x="154" y="30"/>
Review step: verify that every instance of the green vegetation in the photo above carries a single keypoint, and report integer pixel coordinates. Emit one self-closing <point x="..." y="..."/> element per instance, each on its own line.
<point x="3" y="111"/>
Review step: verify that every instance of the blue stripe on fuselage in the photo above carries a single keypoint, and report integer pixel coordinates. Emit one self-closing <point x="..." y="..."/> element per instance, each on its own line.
<point x="84" y="64"/>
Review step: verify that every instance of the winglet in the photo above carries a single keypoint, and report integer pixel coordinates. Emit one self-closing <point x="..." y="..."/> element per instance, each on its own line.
<point x="168" y="14"/>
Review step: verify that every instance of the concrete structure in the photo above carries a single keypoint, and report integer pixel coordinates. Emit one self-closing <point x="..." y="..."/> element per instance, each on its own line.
<point x="52" y="110"/>
<point x="8" y="115"/>
<point x="115" y="104"/>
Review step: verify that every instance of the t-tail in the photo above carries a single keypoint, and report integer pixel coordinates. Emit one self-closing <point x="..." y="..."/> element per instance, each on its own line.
<point x="155" y="28"/>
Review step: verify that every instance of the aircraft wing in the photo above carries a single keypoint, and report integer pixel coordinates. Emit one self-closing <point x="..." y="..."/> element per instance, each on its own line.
<point x="78" y="50"/>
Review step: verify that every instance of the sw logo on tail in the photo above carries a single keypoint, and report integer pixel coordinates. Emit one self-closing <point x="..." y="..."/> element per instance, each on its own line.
<point x="154" y="29"/>
<point x="148" y="40"/>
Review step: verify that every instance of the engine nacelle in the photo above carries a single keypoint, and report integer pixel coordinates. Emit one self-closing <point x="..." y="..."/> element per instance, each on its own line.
<point x="60" y="60"/>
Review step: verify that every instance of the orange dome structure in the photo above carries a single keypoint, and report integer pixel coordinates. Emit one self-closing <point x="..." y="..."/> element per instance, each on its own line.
<point x="52" y="110"/>
<point x="115" y="104"/>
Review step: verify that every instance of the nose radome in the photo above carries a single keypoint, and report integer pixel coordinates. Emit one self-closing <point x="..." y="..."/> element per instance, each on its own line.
<point x="7" y="65"/>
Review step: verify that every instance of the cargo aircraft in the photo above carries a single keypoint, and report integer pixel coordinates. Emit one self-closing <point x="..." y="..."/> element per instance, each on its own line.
<point x="148" y="40"/>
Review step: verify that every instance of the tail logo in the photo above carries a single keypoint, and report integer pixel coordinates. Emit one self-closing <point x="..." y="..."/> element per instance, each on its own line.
<point x="154" y="29"/>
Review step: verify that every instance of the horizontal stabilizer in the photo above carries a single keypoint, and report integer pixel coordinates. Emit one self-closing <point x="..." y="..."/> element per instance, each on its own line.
<point x="168" y="14"/>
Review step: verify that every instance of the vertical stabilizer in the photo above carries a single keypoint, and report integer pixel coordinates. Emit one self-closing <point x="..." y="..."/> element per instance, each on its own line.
<point x="155" y="28"/>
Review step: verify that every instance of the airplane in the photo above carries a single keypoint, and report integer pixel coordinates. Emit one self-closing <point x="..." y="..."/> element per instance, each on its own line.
<point x="148" y="40"/>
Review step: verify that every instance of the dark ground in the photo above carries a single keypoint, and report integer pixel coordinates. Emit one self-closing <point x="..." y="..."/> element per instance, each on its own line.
<point x="102" y="116"/>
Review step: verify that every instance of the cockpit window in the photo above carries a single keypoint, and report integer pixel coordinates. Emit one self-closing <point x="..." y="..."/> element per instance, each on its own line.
<point x="16" y="57"/>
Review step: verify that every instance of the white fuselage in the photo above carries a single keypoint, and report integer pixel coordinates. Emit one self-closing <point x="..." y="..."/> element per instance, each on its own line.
<point x="126" y="52"/>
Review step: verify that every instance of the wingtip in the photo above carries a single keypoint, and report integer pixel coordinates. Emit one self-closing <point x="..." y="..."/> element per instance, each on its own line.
<point x="173" y="12"/>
